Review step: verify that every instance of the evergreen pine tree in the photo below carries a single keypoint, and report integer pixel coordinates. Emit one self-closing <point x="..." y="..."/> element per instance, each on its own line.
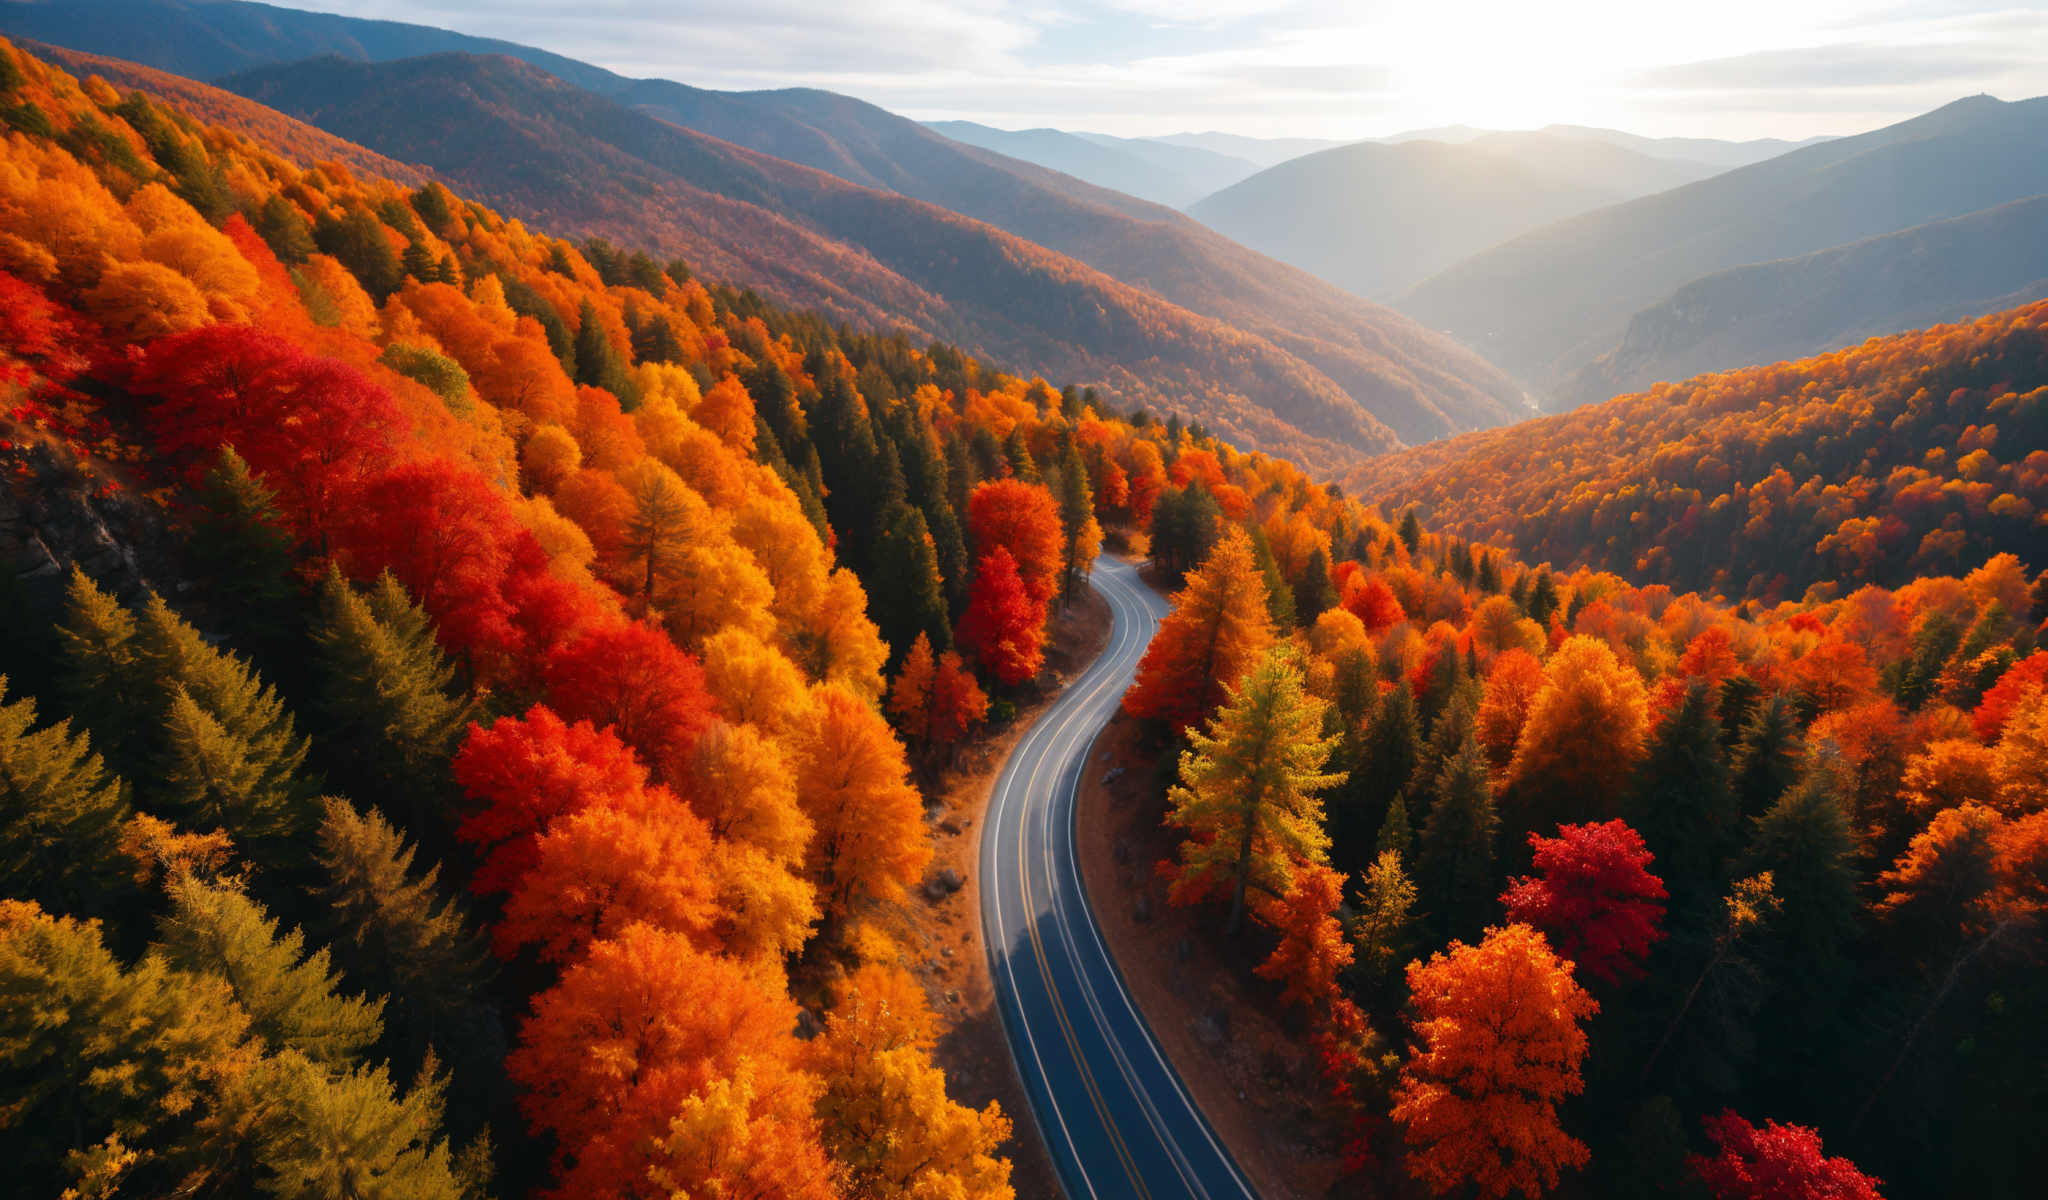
<point x="1387" y="757"/>
<point x="1411" y="530"/>
<point x="908" y="596"/>
<point x="60" y="814"/>
<point x="418" y="262"/>
<point x="1767" y="758"/>
<point x="242" y="555"/>
<point x="291" y="996"/>
<point x="284" y="229"/>
<point x="860" y="482"/>
<point x="1247" y="792"/>
<point x="1543" y="600"/>
<point x="1018" y="455"/>
<point x="246" y="711"/>
<point x="394" y="933"/>
<point x="1355" y="688"/>
<point x="927" y="484"/>
<point x="598" y="362"/>
<point x="1077" y="514"/>
<point x="308" y="1131"/>
<point x="1806" y="843"/>
<point x="1455" y="859"/>
<point x="1314" y="594"/>
<point x="389" y="713"/>
<point x="1395" y="832"/>
<point x="1383" y="925"/>
<point x="1682" y="804"/>
<point x="1279" y="596"/>
<point x="213" y="780"/>
<point x="100" y="679"/>
<point x="89" y="1046"/>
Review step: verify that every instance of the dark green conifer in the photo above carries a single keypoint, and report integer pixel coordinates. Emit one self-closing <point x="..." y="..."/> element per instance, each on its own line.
<point x="1767" y="757"/>
<point x="390" y="712"/>
<point x="1683" y="805"/>
<point x="908" y="596"/>
<point x="1454" y="871"/>
<point x="242" y="555"/>
<point x="599" y="363"/>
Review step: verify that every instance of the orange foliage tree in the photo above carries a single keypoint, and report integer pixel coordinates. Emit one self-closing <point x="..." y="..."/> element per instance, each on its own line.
<point x="1500" y="1048"/>
<point x="1216" y="631"/>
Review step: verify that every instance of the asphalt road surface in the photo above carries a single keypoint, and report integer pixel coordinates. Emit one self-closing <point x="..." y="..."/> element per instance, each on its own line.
<point x="1114" y="1114"/>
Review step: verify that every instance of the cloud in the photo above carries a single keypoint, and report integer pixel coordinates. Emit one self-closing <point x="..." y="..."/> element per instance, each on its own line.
<point x="1846" y="66"/>
<point x="1328" y="68"/>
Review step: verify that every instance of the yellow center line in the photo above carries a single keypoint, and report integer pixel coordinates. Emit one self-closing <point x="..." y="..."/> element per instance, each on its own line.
<point x="1066" y="1027"/>
<point x="1059" y="1009"/>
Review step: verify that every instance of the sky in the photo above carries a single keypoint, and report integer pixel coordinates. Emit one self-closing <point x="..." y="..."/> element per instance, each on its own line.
<point x="1311" y="68"/>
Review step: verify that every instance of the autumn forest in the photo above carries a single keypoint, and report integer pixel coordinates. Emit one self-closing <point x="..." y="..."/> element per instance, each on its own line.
<point x="483" y="704"/>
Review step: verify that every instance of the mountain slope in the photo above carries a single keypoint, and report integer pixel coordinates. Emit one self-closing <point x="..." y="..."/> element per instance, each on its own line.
<point x="573" y="160"/>
<point x="205" y="39"/>
<point x="289" y="136"/>
<point x="1714" y="152"/>
<point x="1791" y="308"/>
<point x="1553" y="299"/>
<point x="1418" y="382"/>
<point x="1157" y="171"/>
<point x="1906" y="455"/>
<point x="1378" y="218"/>
<point x="1266" y="152"/>
<point x="1386" y="368"/>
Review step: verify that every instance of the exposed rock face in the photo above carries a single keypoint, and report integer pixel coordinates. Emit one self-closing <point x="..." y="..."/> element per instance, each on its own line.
<point x="54" y="515"/>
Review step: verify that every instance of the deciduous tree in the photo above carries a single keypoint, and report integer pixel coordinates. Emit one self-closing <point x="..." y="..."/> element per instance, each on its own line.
<point x="1593" y="897"/>
<point x="1214" y="635"/>
<point x="1500" y="1049"/>
<point x="1003" y="628"/>
<point x="868" y="835"/>
<point x="1775" y="1162"/>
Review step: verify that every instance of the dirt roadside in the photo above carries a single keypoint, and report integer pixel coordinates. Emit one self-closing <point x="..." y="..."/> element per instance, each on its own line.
<point x="1248" y="1068"/>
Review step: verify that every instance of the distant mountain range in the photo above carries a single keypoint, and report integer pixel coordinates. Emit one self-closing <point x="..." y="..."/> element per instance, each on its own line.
<point x="1181" y="169"/>
<point x="1553" y="300"/>
<point x="1377" y="218"/>
<point x="1261" y="151"/>
<point x="1153" y="170"/>
<point x="1115" y="290"/>
<point x="1712" y="152"/>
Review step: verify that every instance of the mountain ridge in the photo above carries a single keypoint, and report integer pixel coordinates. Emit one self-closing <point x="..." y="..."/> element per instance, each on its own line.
<point x="1931" y="274"/>
<point x="1555" y="298"/>
<point x="1377" y="218"/>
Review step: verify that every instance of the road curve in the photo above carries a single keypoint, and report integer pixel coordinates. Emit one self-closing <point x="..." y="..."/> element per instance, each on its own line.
<point x="1114" y="1113"/>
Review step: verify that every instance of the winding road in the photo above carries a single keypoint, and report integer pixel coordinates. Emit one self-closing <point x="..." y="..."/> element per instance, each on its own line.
<point x="1114" y="1113"/>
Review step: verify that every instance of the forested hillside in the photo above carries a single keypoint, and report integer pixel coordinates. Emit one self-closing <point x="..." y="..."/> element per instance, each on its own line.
<point x="1264" y="353"/>
<point x="1907" y="455"/>
<point x="444" y="725"/>
<point x="1569" y="885"/>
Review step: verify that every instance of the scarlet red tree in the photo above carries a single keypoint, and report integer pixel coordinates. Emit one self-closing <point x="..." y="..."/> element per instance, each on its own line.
<point x="1003" y="626"/>
<point x="1592" y="897"/>
<point x="1776" y="1162"/>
